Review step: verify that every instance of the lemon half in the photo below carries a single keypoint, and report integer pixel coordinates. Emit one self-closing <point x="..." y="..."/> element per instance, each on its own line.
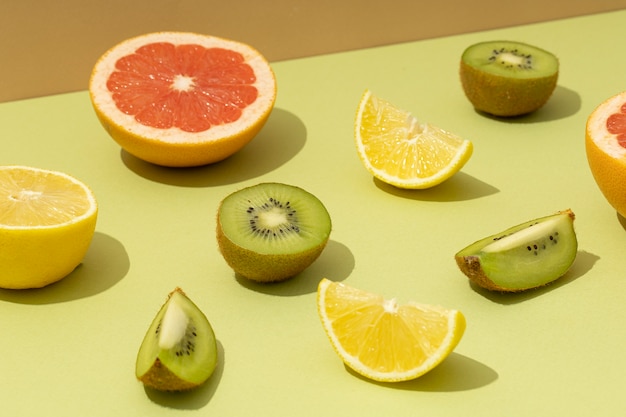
<point x="47" y="222"/>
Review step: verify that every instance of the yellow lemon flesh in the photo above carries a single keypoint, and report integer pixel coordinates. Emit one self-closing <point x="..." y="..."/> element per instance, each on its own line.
<point x="47" y="222"/>
<point x="399" y="150"/>
<point x="382" y="339"/>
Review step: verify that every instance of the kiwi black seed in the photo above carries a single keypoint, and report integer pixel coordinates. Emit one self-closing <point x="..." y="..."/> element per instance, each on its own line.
<point x="271" y="231"/>
<point x="522" y="257"/>
<point x="179" y="350"/>
<point x="506" y="78"/>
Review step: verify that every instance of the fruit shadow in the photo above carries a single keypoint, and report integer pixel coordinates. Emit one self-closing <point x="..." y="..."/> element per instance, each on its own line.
<point x="194" y="399"/>
<point x="456" y="373"/>
<point x="460" y="187"/>
<point x="282" y="138"/>
<point x="105" y="264"/>
<point x="582" y="264"/>
<point x="562" y="104"/>
<point x="335" y="263"/>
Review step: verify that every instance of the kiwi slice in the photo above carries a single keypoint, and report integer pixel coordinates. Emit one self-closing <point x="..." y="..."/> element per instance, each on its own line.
<point x="271" y="231"/>
<point x="522" y="257"/>
<point x="505" y="78"/>
<point x="179" y="351"/>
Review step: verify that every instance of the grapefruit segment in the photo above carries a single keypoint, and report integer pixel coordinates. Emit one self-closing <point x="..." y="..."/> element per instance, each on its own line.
<point x="616" y="124"/>
<point x="186" y="86"/>
<point x="182" y="99"/>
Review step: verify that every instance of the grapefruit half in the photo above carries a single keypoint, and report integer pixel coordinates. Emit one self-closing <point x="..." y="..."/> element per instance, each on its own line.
<point x="182" y="99"/>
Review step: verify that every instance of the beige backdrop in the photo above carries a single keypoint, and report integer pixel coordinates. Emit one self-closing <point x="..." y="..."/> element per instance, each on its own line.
<point x="49" y="47"/>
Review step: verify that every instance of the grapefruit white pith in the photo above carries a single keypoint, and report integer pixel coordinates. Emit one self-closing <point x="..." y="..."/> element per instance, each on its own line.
<point x="605" y="143"/>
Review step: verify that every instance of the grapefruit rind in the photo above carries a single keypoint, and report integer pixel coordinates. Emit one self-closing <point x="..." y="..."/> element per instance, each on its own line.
<point x="174" y="147"/>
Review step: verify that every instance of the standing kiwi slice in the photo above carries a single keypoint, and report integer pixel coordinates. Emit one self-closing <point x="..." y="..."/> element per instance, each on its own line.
<point x="179" y="351"/>
<point x="271" y="231"/>
<point x="522" y="257"/>
<point x="506" y="78"/>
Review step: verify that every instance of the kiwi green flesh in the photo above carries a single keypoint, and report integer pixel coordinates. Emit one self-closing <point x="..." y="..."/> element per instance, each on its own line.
<point x="274" y="219"/>
<point x="511" y="59"/>
<point x="179" y="350"/>
<point x="508" y="90"/>
<point x="525" y="256"/>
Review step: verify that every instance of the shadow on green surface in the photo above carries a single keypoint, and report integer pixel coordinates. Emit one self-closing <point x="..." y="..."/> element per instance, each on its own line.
<point x="582" y="264"/>
<point x="335" y="263"/>
<point x="193" y="399"/>
<point x="563" y="103"/>
<point x="460" y="187"/>
<point x="282" y="138"/>
<point x="104" y="265"/>
<point x="455" y="373"/>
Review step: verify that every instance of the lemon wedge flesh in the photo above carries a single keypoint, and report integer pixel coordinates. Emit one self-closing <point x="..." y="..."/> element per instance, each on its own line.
<point x="399" y="150"/>
<point x="382" y="339"/>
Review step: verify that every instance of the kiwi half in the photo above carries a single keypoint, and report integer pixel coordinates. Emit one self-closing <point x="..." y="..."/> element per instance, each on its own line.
<point x="522" y="257"/>
<point x="505" y="78"/>
<point x="179" y="351"/>
<point x="271" y="231"/>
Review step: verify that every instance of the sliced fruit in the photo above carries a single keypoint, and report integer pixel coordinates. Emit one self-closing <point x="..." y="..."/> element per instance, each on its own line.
<point x="605" y="142"/>
<point x="182" y="99"/>
<point x="383" y="340"/>
<point x="271" y="231"/>
<point x="47" y="222"/>
<point x="399" y="150"/>
<point x="506" y="78"/>
<point x="179" y="351"/>
<point x="522" y="257"/>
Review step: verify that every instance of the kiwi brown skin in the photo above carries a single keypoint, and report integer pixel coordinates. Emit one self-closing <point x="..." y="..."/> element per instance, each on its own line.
<point x="265" y="268"/>
<point x="160" y="378"/>
<point x="505" y="96"/>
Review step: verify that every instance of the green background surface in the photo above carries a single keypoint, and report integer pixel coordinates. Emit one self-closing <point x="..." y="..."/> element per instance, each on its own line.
<point x="69" y="349"/>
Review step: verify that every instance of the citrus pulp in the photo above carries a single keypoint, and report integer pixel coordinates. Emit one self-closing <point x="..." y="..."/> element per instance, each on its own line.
<point x="399" y="150"/>
<point x="47" y="221"/>
<point x="182" y="99"/>
<point x="383" y="340"/>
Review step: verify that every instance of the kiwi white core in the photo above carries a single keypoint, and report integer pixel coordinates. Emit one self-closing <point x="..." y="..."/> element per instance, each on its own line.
<point x="512" y="59"/>
<point x="273" y="218"/>
<point x="173" y="326"/>
<point x="532" y="232"/>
